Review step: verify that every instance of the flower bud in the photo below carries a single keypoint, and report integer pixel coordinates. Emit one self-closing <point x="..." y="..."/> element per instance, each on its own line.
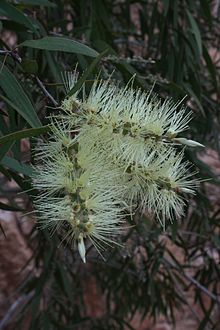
<point x="81" y="248"/>
<point x="189" y="143"/>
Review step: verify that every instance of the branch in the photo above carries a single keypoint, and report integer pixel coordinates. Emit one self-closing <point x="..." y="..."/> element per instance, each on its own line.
<point x="20" y="302"/>
<point x="182" y="294"/>
<point x="195" y="282"/>
<point x="48" y="95"/>
<point x="12" y="53"/>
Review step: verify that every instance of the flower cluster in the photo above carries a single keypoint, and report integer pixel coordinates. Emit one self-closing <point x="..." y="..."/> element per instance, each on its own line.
<point x="113" y="151"/>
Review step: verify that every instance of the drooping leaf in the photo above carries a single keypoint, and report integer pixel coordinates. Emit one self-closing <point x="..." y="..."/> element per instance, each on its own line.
<point x="5" y="148"/>
<point x="23" y="183"/>
<point x="210" y="66"/>
<point x="16" y="15"/>
<point x="17" y="166"/>
<point x="44" y="3"/>
<point x="64" y="281"/>
<point x="60" y="44"/>
<point x="19" y="99"/>
<point x="24" y="134"/>
<point x="195" y="30"/>
<point x="195" y="98"/>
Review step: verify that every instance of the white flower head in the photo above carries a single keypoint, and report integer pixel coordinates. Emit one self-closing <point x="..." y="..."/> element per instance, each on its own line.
<point x="112" y="150"/>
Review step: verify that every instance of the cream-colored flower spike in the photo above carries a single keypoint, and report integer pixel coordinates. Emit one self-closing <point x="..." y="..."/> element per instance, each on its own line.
<point x="112" y="151"/>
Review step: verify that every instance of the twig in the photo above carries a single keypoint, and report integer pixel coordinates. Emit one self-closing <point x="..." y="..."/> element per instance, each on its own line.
<point x="184" y="297"/>
<point x="12" y="53"/>
<point x="41" y="85"/>
<point x="202" y="288"/>
<point x="195" y="282"/>
<point x="20" y="302"/>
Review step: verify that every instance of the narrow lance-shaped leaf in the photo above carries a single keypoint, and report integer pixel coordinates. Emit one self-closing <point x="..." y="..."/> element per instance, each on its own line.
<point x="195" y="31"/>
<point x="5" y="148"/>
<point x="60" y="44"/>
<point x="24" y="134"/>
<point x="197" y="101"/>
<point x="20" y="101"/>
<point x="17" y="166"/>
<point x="16" y="15"/>
<point x="44" y="3"/>
<point x="211" y="67"/>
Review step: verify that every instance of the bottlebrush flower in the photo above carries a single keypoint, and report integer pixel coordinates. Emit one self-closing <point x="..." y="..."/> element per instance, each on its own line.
<point x="81" y="195"/>
<point x="109" y="153"/>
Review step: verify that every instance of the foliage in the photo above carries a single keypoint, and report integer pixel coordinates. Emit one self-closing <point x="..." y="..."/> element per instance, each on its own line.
<point x="166" y="42"/>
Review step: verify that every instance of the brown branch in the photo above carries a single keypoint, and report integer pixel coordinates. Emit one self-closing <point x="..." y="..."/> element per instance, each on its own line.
<point x="194" y="282"/>
<point x="45" y="91"/>
<point x="12" y="311"/>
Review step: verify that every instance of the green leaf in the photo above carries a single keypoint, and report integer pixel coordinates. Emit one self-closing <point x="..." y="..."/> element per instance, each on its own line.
<point x="24" y="134"/>
<point x="29" y="66"/>
<point x="86" y="74"/>
<point x="5" y="148"/>
<point x="5" y="172"/>
<point x="64" y="281"/>
<point x="44" y="3"/>
<point x="60" y="44"/>
<point x="216" y="241"/>
<point x="206" y="6"/>
<point x="19" y="100"/>
<point x="166" y="4"/>
<point x="17" y="166"/>
<point x="195" y="31"/>
<point x="50" y="58"/>
<point x="54" y="67"/>
<point x="211" y="67"/>
<point x="193" y="95"/>
<point x="23" y="183"/>
<point x="16" y="15"/>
